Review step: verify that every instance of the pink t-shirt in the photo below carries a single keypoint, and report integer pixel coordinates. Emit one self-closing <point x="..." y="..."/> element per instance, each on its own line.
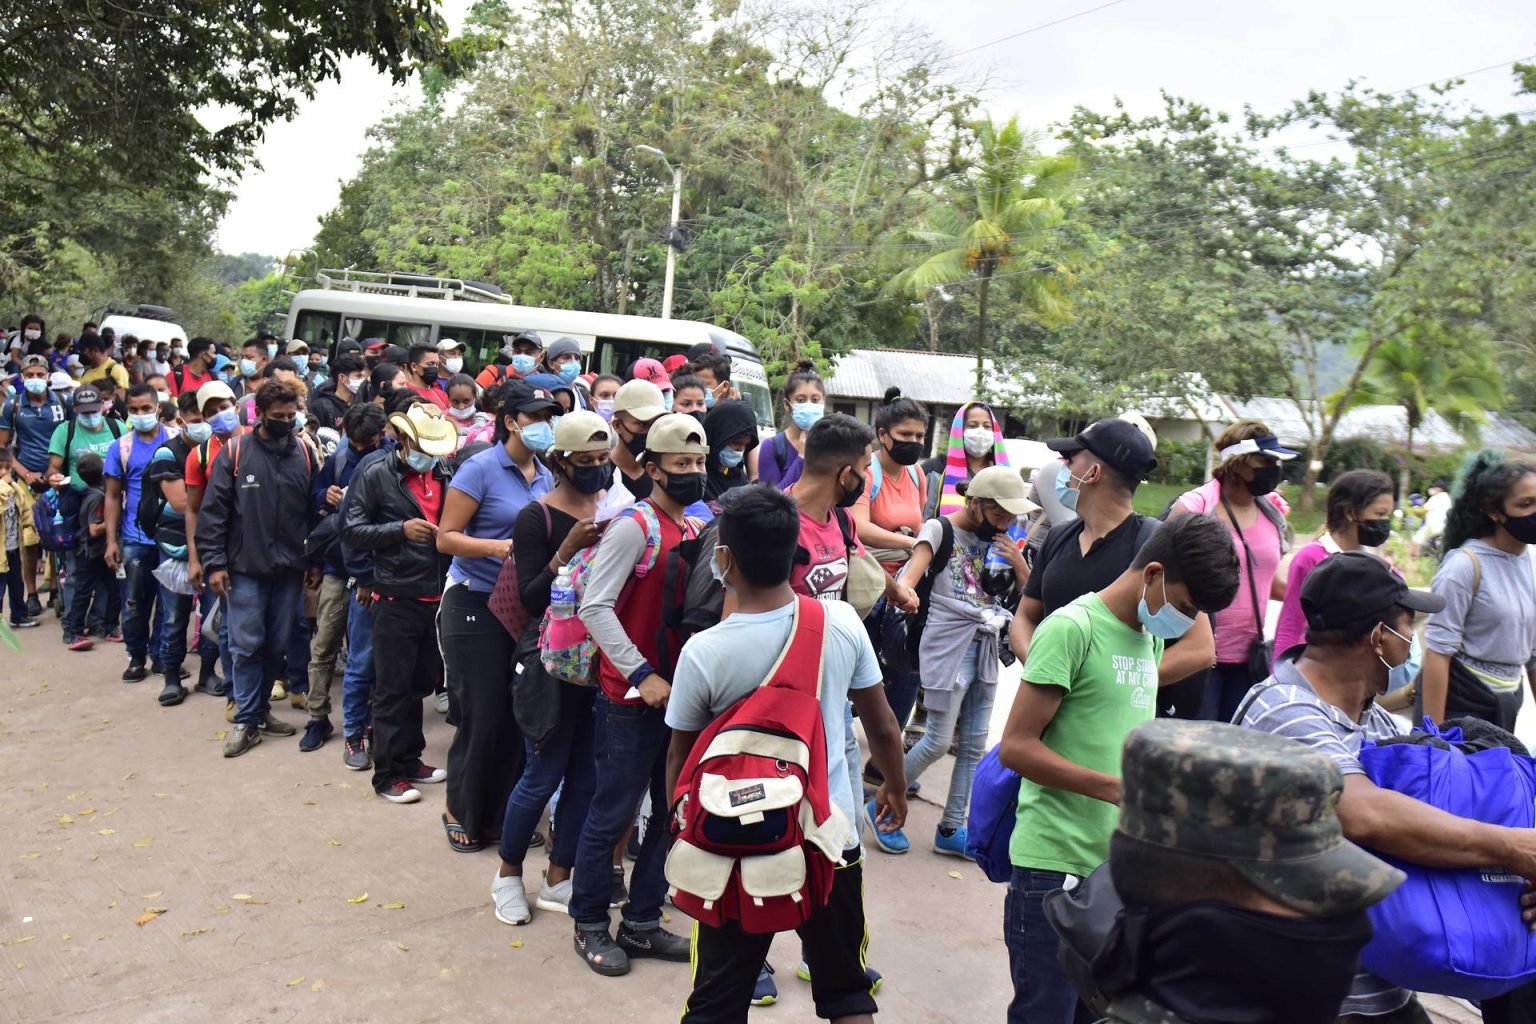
<point x="1292" y="628"/>
<point x="826" y="577"/>
<point x="1235" y="625"/>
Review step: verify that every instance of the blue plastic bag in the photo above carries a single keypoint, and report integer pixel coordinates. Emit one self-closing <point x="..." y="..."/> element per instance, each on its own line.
<point x="1455" y="932"/>
<point x="994" y="809"/>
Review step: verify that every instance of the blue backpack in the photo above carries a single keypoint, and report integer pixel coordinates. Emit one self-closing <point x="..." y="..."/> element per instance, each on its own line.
<point x="994" y="809"/>
<point x="1454" y="931"/>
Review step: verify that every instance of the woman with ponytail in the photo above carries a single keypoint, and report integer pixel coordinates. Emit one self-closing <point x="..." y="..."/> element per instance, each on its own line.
<point x="975" y="442"/>
<point x="1482" y="647"/>
<point x="805" y="402"/>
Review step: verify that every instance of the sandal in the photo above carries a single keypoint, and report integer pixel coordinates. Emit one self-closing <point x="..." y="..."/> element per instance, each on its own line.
<point x="459" y="838"/>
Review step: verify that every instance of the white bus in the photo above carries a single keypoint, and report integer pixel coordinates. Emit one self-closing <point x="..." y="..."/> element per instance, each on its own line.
<point x="412" y="309"/>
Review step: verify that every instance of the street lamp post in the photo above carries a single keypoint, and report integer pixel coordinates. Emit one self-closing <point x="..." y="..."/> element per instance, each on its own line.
<point x="672" y="231"/>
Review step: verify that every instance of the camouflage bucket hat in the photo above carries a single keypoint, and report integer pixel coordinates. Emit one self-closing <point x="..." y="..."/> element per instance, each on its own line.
<point x="1261" y="803"/>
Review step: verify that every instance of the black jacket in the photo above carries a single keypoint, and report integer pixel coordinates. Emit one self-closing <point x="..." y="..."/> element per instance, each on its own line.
<point x="375" y="512"/>
<point x="326" y="408"/>
<point x="256" y="510"/>
<point x="723" y="424"/>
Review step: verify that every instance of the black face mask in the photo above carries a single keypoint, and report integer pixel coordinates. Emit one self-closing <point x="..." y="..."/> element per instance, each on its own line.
<point x="684" y="488"/>
<point x="370" y="361"/>
<point x="1211" y="963"/>
<point x="905" y="453"/>
<point x="1265" y="479"/>
<point x="278" y="429"/>
<point x="985" y="531"/>
<point x="429" y="375"/>
<point x="1373" y="533"/>
<point x="851" y="496"/>
<point x="590" y="479"/>
<point x="1522" y="528"/>
<point x="636" y="445"/>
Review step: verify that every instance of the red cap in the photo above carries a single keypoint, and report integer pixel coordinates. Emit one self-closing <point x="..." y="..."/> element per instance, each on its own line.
<point x="651" y="370"/>
<point x="671" y="363"/>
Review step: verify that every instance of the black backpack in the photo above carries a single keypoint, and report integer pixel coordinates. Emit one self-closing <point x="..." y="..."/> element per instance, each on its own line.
<point x="152" y="500"/>
<point x="915" y="624"/>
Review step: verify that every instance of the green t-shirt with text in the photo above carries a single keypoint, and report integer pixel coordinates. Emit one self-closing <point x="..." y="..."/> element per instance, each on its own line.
<point x="1109" y="671"/>
<point x="98" y="441"/>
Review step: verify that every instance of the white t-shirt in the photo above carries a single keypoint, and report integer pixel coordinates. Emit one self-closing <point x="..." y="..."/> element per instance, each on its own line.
<point x="724" y="663"/>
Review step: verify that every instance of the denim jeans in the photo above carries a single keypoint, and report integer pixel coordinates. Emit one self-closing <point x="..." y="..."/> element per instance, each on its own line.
<point x="568" y="757"/>
<point x="970" y="715"/>
<point x="631" y="758"/>
<point x="296" y="664"/>
<point x="901" y="694"/>
<point x="175" y="615"/>
<point x="15" y="591"/>
<point x="1225" y="689"/>
<point x="1041" y="992"/>
<point x="357" y="680"/>
<point x="141" y="633"/>
<point x="87" y="582"/>
<point x="261" y="612"/>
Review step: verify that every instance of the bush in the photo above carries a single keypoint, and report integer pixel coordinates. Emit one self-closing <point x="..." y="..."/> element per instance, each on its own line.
<point x="1361" y="453"/>
<point x="1180" y="462"/>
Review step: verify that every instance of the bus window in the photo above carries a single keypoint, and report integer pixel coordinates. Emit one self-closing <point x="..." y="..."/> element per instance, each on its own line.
<point x="617" y="355"/>
<point x="316" y="327"/>
<point x="759" y="397"/>
<point x="404" y="335"/>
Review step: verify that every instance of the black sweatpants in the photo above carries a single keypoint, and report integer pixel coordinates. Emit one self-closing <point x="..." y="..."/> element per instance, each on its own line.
<point x="406" y="667"/>
<point x="726" y="961"/>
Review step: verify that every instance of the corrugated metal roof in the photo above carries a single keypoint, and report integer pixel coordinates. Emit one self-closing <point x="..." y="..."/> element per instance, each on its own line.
<point x="943" y="378"/>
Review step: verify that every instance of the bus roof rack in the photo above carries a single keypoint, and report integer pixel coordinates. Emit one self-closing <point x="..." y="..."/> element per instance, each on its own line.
<point x="422" y="286"/>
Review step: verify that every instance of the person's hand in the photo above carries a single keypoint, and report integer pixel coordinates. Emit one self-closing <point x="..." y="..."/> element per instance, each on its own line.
<point x="364" y="595"/>
<point x="312" y="579"/>
<point x="333" y="496"/>
<point x="218" y="581"/>
<point x="905" y="598"/>
<point x="503" y="549"/>
<point x="655" y="690"/>
<point x="890" y="806"/>
<point x="419" y="531"/>
<point x="58" y="480"/>
<point x="583" y="535"/>
<point x="27" y="476"/>
<point x="910" y="543"/>
<point x="1009" y="552"/>
<point x="697" y="524"/>
<point x="114" y="555"/>
<point x="195" y="574"/>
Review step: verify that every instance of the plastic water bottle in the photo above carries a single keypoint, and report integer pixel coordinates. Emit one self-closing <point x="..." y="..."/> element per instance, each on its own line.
<point x="562" y="595"/>
<point x="996" y="574"/>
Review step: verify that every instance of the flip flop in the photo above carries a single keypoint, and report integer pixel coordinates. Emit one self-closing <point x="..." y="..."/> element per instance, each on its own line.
<point x="459" y="838"/>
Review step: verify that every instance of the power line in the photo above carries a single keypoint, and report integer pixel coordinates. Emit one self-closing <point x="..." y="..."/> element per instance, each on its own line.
<point x="1041" y="27"/>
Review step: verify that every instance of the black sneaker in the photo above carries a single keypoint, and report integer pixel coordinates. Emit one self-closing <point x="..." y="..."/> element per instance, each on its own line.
<point x="618" y="895"/>
<point x="34" y="607"/>
<point x="135" y="672"/>
<point x="25" y="623"/>
<point x="657" y="943"/>
<point x="601" y="953"/>
<point x="355" y="754"/>
<point x="315" y="734"/>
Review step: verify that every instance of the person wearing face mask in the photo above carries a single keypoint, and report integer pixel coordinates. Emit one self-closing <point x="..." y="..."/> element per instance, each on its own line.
<point x="463" y="407"/>
<point x="452" y="353"/>
<point x="1481" y="650"/>
<point x="99" y="367"/>
<point x="423" y="368"/>
<point x="128" y="547"/>
<point x="487" y="493"/>
<point x="329" y="402"/>
<point x="269" y="344"/>
<point x="621" y="607"/>
<point x="975" y="442"/>
<point x="1359" y="516"/>
<point x="253" y="360"/>
<point x="636" y="406"/>
<point x="33" y="333"/>
<point x="731" y="429"/>
<point x="250" y="538"/>
<point x="1097" y="480"/>
<point x="605" y="388"/>
<point x="1360" y="616"/>
<point x="519" y="357"/>
<point x="216" y="401"/>
<point x="958" y="650"/>
<point x="805" y="402"/>
<point x="393" y="512"/>
<point x="197" y="370"/>
<point x="1090" y="678"/>
<point x="549" y="533"/>
<point x="1230" y="892"/>
<point x="1241" y="493"/>
<point x="564" y="359"/>
<point x="28" y="421"/>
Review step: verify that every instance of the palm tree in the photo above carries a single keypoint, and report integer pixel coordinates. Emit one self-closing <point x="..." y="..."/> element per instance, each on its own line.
<point x="1457" y="380"/>
<point x="999" y="226"/>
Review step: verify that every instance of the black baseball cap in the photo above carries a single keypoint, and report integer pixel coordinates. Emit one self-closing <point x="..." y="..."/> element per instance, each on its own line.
<point x="1119" y="444"/>
<point x="87" y="399"/>
<point x="519" y="396"/>
<point x="1352" y="589"/>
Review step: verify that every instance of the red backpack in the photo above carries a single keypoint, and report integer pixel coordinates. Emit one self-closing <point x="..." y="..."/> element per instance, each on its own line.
<point x="757" y="834"/>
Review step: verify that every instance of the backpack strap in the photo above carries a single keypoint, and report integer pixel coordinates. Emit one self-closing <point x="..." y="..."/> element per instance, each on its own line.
<point x="644" y="513"/>
<point x="801" y="659"/>
<point x="124" y="453"/>
<point x="780" y="448"/>
<point x="876" y="474"/>
<point x="339" y="462"/>
<point x="845" y="526"/>
<point x="115" y="427"/>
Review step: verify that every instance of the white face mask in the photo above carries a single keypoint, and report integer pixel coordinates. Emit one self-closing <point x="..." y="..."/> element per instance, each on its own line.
<point x="978" y="441"/>
<point x="453" y="364"/>
<point x="714" y="565"/>
<point x="466" y="413"/>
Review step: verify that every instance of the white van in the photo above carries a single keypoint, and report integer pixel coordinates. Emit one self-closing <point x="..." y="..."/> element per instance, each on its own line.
<point x="145" y="328"/>
<point x="413" y="309"/>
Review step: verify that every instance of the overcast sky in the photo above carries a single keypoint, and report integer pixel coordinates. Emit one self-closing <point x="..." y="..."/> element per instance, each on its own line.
<point x="1220" y="52"/>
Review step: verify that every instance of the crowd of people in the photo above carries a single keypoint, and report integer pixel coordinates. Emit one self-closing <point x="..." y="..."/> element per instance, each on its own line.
<point x="585" y="572"/>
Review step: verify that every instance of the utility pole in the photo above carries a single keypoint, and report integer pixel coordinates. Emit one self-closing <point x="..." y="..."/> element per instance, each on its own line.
<point x="674" y="236"/>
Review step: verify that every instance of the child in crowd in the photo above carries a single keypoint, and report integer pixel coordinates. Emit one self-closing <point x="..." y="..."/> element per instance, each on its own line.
<point x="16" y="532"/>
<point x="91" y="557"/>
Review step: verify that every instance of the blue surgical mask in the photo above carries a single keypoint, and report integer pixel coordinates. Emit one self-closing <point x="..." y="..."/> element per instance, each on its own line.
<point x="299" y="419"/>
<point x="143" y="423"/>
<point x="225" y="423"/>
<point x="272" y="350"/>
<point x="1065" y="493"/>
<point x="197" y="433"/>
<point x="730" y="458"/>
<point x="524" y="364"/>
<point x="419" y="462"/>
<point x="35" y="385"/>
<point x="1169" y="623"/>
<point x="666" y="400"/>
<point x="248" y="367"/>
<point x="709" y="399"/>
<point x="539" y="437"/>
<point x="570" y="370"/>
<point x="90" y="420"/>
<point x="806" y="414"/>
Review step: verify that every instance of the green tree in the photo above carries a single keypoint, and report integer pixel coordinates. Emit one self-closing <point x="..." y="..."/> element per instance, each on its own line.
<point x="999" y="225"/>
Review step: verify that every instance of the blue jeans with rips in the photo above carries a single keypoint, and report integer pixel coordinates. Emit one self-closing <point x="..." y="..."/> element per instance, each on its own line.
<point x="260" y="615"/>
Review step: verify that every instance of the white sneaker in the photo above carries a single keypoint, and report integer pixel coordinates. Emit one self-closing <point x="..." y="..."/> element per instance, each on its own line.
<point x="440" y="702"/>
<point x="554" y="898"/>
<point x="511" y="902"/>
